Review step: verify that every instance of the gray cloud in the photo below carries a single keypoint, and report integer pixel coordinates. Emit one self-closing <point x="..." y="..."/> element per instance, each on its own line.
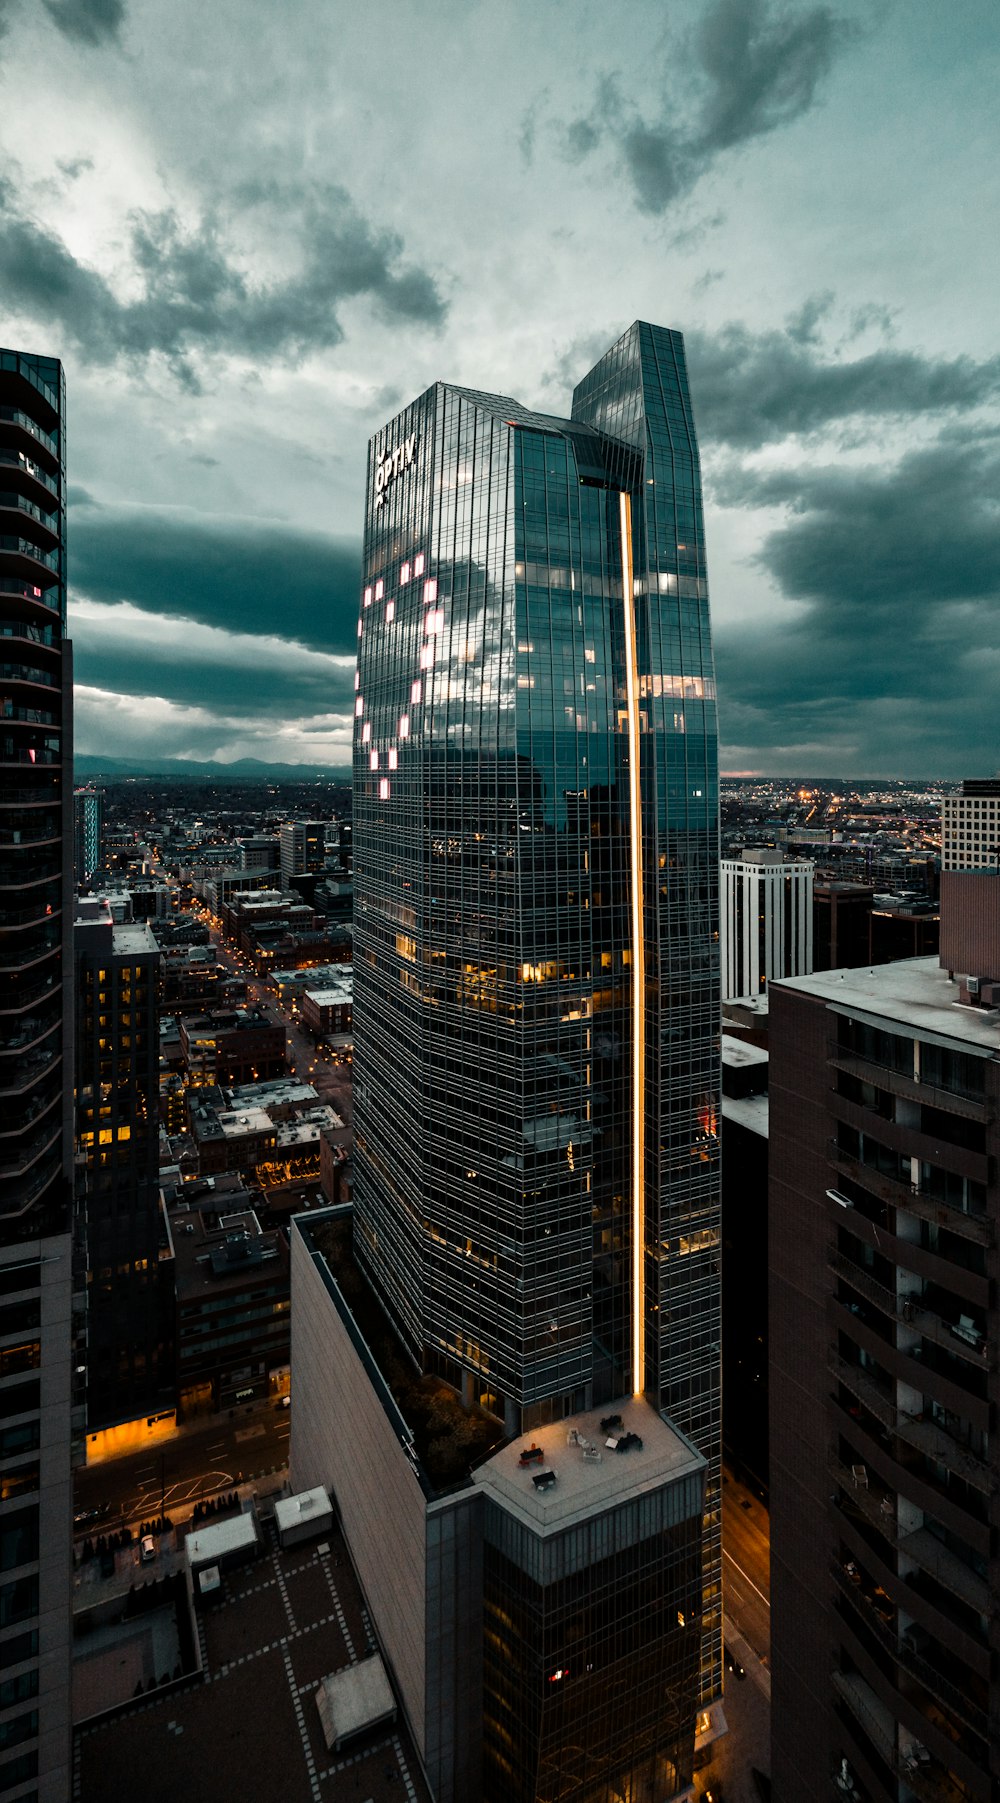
<point x="196" y="300"/>
<point x="763" y="67"/>
<point x="88" y="21"/>
<point x="750" y="68"/>
<point x="244" y="575"/>
<point x="287" y="694"/>
<point x="753" y="388"/>
<point x="900" y="635"/>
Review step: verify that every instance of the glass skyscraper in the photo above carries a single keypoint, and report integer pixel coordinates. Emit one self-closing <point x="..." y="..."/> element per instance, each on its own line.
<point x="536" y="905"/>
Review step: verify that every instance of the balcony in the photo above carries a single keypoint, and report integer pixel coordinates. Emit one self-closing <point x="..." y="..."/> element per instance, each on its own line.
<point x="945" y="1566"/>
<point x="19" y="504"/>
<point x="13" y="416"/>
<point x="926" y="1436"/>
<point x="26" y="1074"/>
<point x="44" y="832"/>
<point x="43" y="795"/>
<point x="29" y="471"/>
<point x="972" y="1107"/>
<point x="21" y="956"/>
<point x="978" y="1352"/>
<point x="24" y="550"/>
<point x="859" y="1280"/>
<point x="877" y="1507"/>
<point x="28" y="716"/>
<point x="880" y="1403"/>
<point x="11" y="1125"/>
<point x="25" y="873"/>
<point x="13" y="1000"/>
<point x="32" y="757"/>
<point x="28" y="673"/>
<point x="915" y="1767"/>
<point x="935" y="1443"/>
<point x="936" y="1209"/>
<point x="41" y="596"/>
<point x="878" y="1614"/>
<point x="29" y="1155"/>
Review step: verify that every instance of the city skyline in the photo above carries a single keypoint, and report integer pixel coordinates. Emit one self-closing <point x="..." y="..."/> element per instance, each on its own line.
<point x="239" y="291"/>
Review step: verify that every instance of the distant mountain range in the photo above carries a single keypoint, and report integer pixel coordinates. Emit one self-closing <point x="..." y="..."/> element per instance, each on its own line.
<point x="186" y="770"/>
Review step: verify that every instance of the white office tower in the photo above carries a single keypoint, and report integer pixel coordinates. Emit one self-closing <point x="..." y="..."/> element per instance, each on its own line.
<point x="766" y="921"/>
<point x="970" y="826"/>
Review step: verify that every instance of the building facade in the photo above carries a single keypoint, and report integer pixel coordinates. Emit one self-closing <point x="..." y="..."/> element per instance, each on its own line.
<point x="302" y="848"/>
<point x="885" y="1522"/>
<point x="766" y="921"/>
<point x="130" y="1306"/>
<point x="536" y="910"/>
<point x="88" y="823"/>
<point x="41" y="1278"/>
<point x="970" y="826"/>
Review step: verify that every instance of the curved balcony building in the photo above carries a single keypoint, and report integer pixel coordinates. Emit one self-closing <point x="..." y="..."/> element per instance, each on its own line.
<point x="36" y="1082"/>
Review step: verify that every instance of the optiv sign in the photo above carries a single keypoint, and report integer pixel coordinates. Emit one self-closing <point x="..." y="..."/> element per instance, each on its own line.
<point x="393" y="464"/>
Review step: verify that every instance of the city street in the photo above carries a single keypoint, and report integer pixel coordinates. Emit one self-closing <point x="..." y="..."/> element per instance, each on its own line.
<point x="746" y="1565"/>
<point x="196" y="1461"/>
<point x="332" y="1082"/>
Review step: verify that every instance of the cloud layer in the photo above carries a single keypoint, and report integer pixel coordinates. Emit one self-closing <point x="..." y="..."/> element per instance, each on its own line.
<point x="749" y="68"/>
<point x="196" y="295"/>
<point x="892" y="663"/>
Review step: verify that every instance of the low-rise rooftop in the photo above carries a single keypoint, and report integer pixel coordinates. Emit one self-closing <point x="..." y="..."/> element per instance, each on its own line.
<point x="915" y="992"/>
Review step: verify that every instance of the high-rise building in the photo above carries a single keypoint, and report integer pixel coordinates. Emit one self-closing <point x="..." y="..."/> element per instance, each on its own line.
<point x="885" y="1349"/>
<point x="766" y="921"/>
<point x="842" y="924"/>
<point x="302" y="849"/>
<point x="130" y="1302"/>
<point x="970" y="826"/>
<point x="536" y="995"/>
<point x="88" y="822"/>
<point x="39" y="1410"/>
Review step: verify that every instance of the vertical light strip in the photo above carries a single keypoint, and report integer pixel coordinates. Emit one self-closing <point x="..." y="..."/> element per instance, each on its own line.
<point x="638" y="964"/>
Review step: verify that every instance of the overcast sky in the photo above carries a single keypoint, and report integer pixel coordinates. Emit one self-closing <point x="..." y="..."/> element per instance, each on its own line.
<point x="252" y="229"/>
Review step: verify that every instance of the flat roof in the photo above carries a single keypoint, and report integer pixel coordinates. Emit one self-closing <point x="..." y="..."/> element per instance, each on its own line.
<point x="356" y="1698"/>
<point x="133" y="941"/>
<point x="584" y="1487"/>
<point x="210" y="1543"/>
<point x="747" y="1111"/>
<point x="307" y="1505"/>
<point x="264" y="1094"/>
<point x="739" y="1052"/>
<point x="915" y="994"/>
<point x="328" y="997"/>
<point x="247" y="1120"/>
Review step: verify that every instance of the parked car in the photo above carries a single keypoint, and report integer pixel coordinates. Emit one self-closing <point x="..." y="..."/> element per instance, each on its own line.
<point x="147" y="1549"/>
<point x="733" y="1665"/>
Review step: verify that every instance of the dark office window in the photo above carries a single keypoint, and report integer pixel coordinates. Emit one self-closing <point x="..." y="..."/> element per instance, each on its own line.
<point x="20" y="1277"/>
<point x="18" y="1538"/>
<point x="19" y="1398"/>
<point x="19" y="1647"/>
<point x="17" y="1317"/>
<point x="19" y="1689"/>
<point x="18" y="1600"/>
<point x="22" y="1438"/>
<point x="15" y="1771"/>
<point x="26" y="1357"/>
